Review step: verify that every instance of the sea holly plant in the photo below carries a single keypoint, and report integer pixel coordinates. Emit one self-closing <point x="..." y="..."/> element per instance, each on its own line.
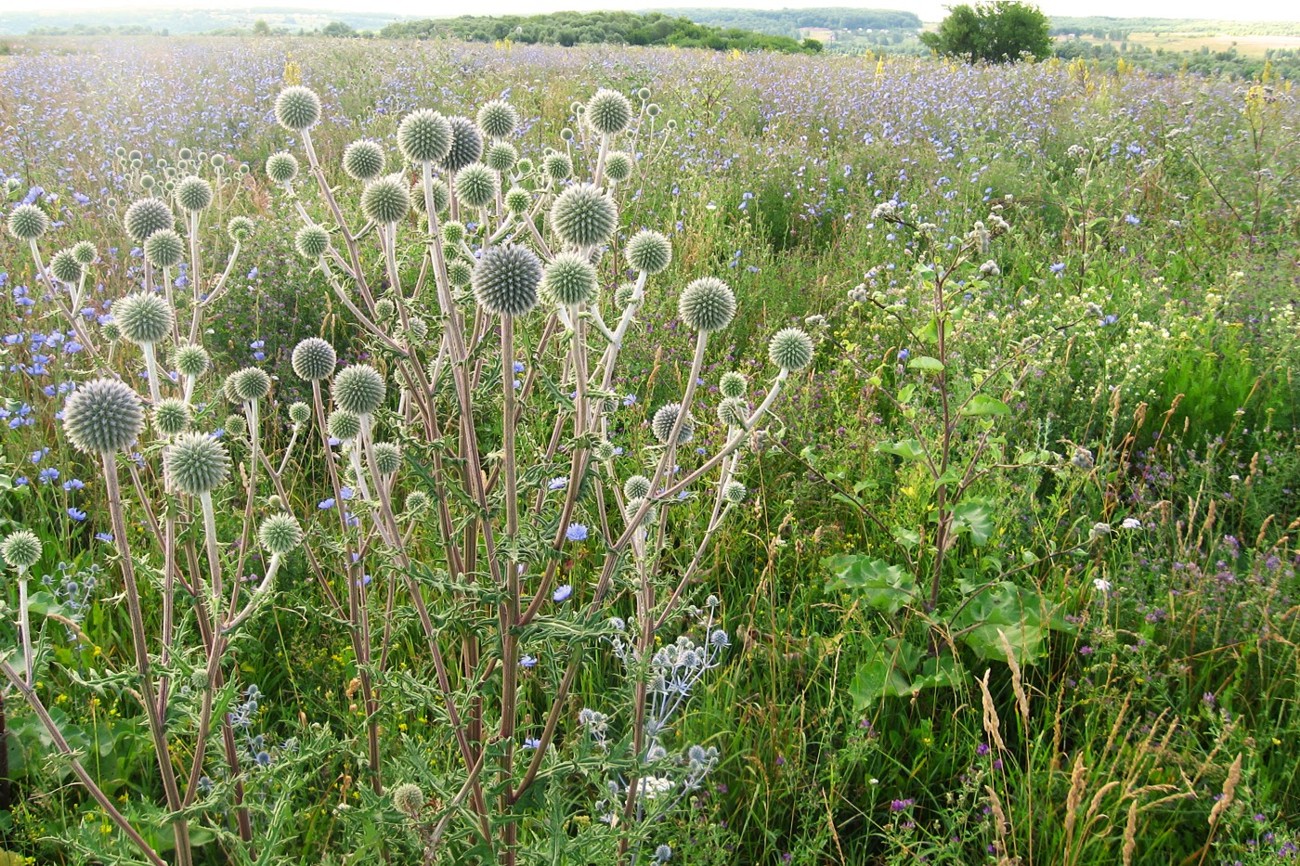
<point x="950" y="407"/>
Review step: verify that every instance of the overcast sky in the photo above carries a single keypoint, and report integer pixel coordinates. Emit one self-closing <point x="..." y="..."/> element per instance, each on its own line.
<point x="1240" y="10"/>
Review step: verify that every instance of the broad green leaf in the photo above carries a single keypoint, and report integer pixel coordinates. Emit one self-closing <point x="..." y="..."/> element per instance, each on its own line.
<point x="876" y="679"/>
<point x="982" y="404"/>
<point x="878" y="584"/>
<point x="906" y="393"/>
<point x="930" y="333"/>
<point x="896" y="668"/>
<point x="1023" y="615"/>
<point x="974" y="516"/>
<point x="952" y="475"/>
<point x="906" y="537"/>
<point x="908" y="449"/>
<point x="926" y="364"/>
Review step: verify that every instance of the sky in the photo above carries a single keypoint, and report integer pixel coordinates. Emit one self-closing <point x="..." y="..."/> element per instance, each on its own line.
<point x="930" y="10"/>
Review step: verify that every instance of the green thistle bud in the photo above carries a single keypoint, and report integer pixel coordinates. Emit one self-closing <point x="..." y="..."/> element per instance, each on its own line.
<point x="194" y="194"/>
<point x="239" y="228"/>
<point x="299" y="412"/>
<point x="191" y="360"/>
<point x="608" y="112"/>
<point x="500" y="156"/>
<point x="417" y="502"/>
<point x="247" y="385"/>
<point x="311" y="242"/>
<point x="518" y="200"/>
<point x="297" y="108"/>
<point x="603" y="451"/>
<point x="343" y="425"/>
<point x="636" y="487"/>
<point x="84" y="252"/>
<point x="440" y="193"/>
<point x="790" y="349"/>
<point x="281" y="167"/>
<point x="624" y="294"/>
<point x="146" y="216"/>
<point x="419" y="327"/>
<point x="570" y="279"/>
<point x="409" y="800"/>
<point x="314" y="359"/>
<point x="664" y="420"/>
<point x="235" y="425"/>
<point x="619" y="165"/>
<point x="506" y="280"/>
<point x="364" y="160"/>
<point x="280" y="534"/>
<point x="707" y="305"/>
<point x="385" y="309"/>
<point x="111" y="331"/>
<point x="388" y="457"/>
<point x="733" y="411"/>
<point x="466" y="144"/>
<point x="524" y="166"/>
<point x="65" y="267"/>
<point x="387" y="200"/>
<point x="164" y="249"/>
<point x="635" y="505"/>
<point x="734" y="492"/>
<point x="649" y="251"/>
<point x="143" y="317"/>
<point x="171" y="417"/>
<point x="147" y="182"/>
<point x="21" y="550"/>
<point x="195" y="464"/>
<point x="476" y="185"/>
<point x="557" y="167"/>
<point x="733" y="385"/>
<point x="460" y="273"/>
<point x="424" y="136"/>
<point x="359" y="389"/>
<point x="103" y="416"/>
<point x="497" y="119"/>
<point x="584" y="216"/>
<point x="453" y="232"/>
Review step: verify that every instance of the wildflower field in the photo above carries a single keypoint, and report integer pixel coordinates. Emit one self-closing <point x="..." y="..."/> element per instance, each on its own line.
<point x="432" y="453"/>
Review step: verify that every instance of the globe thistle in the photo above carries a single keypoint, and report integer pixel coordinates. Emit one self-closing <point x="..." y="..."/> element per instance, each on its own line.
<point x="423" y="136"/>
<point x="280" y="534"/>
<point x="194" y="194"/>
<point x="247" y="385"/>
<point x="387" y="200"/>
<point x="453" y="232"/>
<point x="790" y="349"/>
<point x="103" y="416"/>
<point x="466" y="144"/>
<point x="195" y="464"/>
<point x="281" y="167"/>
<point x="239" y="228"/>
<point x="734" y="492"/>
<point x="733" y="385"/>
<point x="65" y="267"/>
<point x="649" y="251"/>
<point x="566" y="134"/>
<point x="608" y="112"/>
<point x="518" y="200"/>
<point x="147" y="182"/>
<point x="84" y="252"/>
<point x="146" y="216"/>
<point x="635" y="505"/>
<point x="235" y="425"/>
<point x="570" y="279"/>
<point x="112" y="333"/>
<point x="218" y="161"/>
<point x="506" y="280"/>
<point x="624" y="294"/>
<point x="497" y="119"/>
<point x="557" y="167"/>
<point x="364" y="160"/>
<point x="477" y="185"/>
<point x="707" y="305"/>
<point x="417" y="502"/>
<point x="359" y="389"/>
<point x="191" y="360"/>
<point x="584" y="216"/>
<point x="21" y="550"/>
<point x="438" y="190"/>
<point x="314" y="359"/>
<point x="500" y="156"/>
<point x="460" y="273"/>
<point x="311" y="242"/>
<point x="665" y="418"/>
<point x="388" y="457"/>
<point x="618" y="165"/>
<point x="171" y="417"/>
<point x="297" y="108"/>
<point x="409" y="800"/>
<point x="27" y="222"/>
<point x="299" y="412"/>
<point x="343" y="425"/>
<point x="164" y="249"/>
<point x="636" y="487"/>
<point x="733" y="411"/>
<point x="143" y="317"/>
<point x="385" y="308"/>
<point x="419" y="327"/>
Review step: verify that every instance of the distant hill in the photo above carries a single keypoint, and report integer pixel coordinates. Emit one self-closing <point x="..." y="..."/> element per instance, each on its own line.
<point x="182" y="21"/>
<point x="793" y="22"/>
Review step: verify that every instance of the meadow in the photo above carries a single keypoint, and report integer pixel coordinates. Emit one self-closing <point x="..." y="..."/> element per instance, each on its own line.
<point x="987" y="555"/>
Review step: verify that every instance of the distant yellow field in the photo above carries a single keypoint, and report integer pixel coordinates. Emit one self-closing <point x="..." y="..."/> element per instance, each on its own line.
<point x="1250" y="46"/>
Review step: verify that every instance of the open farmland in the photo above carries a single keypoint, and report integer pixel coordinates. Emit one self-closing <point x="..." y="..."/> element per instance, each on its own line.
<point x="924" y="491"/>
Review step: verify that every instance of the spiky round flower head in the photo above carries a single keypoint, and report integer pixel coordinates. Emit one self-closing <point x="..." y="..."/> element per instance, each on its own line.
<point x="409" y="799"/>
<point x="194" y="194"/>
<point x="84" y="252"/>
<point x="146" y="216"/>
<point x="635" y="505"/>
<point x="218" y="160"/>
<point x="653" y="110"/>
<point x="364" y="159"/>
<point x="385" y="308"/>
<point x="733" y="411"/>
<point x="359" y="389"/>
<point x="235" y="425"/>
<point x="665" y="418"/>
<point x="191" y="360"/>
<point x="103" y="416"/>
<point x="518" y="200"/>
<point x="735" y="492"/>
<point x="195" y="464"/>
<point x="500" y="156"/>
<point x="424" y="135"/>
<point x="419" y="327"/>
<point x="387" y="200"/>
<point x="608" y="112"/>
<point x="636" y="487"/>
<point x="707" y="305"/>
<point x="297" y="108"/>
<point x="603" y="451"/>
<point x="343" y="425"/>
<point x="453" y="232"/>
<point x="388" y="457"/>
<point x="466" y="144"/>
<point x="566" y="134"/>
<point x="476" y="185"/>
<point x="247" y="385"/>
<point x="65" y="267"/>
<point x="311" y="242"/>
<point x="239" y="228"/>
<point x="111" y="331"/>
<point x="280" y="534"/>
<point x="790" y="349"/>
<point x="171" y="416"/>
<point x="21" y="549"/>
<point x="417" y="502"/>
<point x="147" y="182"/>
<point x="619" y="165"/>
<point x="649" y="251"/>
<point x="314" y="359"/>
<point x="164" y="249"/>
<point x="281" y="167"/>
<point x="497" y="118"/>
<point x="441" y="196"/>
<point x="143" y="317"/>
<point x="623" y="295"/>
<point x="557" y="166"/>
<point x="506" y="280"/>
<point x="733" y="385"/>
<point x="460" y="273"/>
<point x="584" y="216"/>
<point x="570" y="280"/>
<point x="299" y="412"/>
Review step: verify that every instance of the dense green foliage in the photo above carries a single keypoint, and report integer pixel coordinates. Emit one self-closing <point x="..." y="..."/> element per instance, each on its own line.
<point x="788" y="22"/>
<point x="999" y="32"/>
<point x="591" y="28"/>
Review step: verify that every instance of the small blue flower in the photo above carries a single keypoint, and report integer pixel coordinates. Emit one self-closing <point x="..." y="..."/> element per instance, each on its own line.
<point x="77" y="514"/>
<point x="1057" y="267"/>
<point x="532" y="743"/>
<point x="557" y="483"/>
<point x="1132" y="220"/>
<point x="576" y="532"/>
<point x="325" y="504"/>
<point x="104" y="536"/>
<point x="528" y="661"/>
<point x="562" y="593"/>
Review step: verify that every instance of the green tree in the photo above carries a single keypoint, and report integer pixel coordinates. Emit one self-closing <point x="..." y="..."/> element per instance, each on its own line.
<point x="999" y="32"/>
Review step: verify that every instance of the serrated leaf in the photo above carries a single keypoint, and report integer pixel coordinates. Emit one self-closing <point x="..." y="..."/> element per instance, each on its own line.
<point x="982" y="405"/>
<point x="926" y="364"/>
